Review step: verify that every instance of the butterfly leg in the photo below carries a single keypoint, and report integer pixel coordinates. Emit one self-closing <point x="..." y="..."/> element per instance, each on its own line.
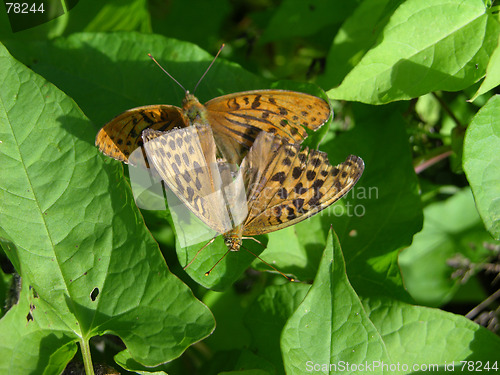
<point x="211" y="269"/>
<point x="254" y="239"/>
<point x="266" y="263"/>
<point x="199" y="251"/>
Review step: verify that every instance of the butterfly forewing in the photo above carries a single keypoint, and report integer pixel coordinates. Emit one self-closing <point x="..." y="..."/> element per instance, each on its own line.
<point x="243" y="115"/>
<point x="185" y="160"/>
<point x="295" y="185"/>
<point x="236" y="120"/>
<point x="122" y="135"/>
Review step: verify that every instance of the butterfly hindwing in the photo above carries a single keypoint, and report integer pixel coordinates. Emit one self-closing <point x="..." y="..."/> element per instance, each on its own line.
<point x="295" y="185"/>
<point x="185" y="160"/>
<point x="122" y="135"/>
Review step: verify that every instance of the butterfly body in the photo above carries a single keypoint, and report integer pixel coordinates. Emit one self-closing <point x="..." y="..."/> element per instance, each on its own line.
<point x="236" y="120"/>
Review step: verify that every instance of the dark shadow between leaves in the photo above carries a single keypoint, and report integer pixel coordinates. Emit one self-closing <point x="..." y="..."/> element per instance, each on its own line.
<point x="49" y="345"/>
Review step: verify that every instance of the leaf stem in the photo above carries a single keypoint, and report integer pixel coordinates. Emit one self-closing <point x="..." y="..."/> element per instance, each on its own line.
<point x="87" y="358"/>
<point x="420" y="165"/>
<point x="447" y="109"/>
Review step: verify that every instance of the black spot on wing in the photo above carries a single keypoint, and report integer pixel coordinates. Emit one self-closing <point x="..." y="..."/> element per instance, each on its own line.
<point x="310" y="175"/>
<point x="296" y="172"/>
<point x="282" y="193"/>
<point x="279" y="176"/>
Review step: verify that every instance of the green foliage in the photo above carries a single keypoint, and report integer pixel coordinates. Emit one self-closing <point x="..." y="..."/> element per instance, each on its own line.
<point x="482" y="166"/>
<point x="451" y="227"/>
<point x="408" y="60"/>
<point x="92" y="264"/>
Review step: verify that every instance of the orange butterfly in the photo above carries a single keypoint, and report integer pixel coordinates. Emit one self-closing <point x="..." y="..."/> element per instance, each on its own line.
<point x="236" y="120"/>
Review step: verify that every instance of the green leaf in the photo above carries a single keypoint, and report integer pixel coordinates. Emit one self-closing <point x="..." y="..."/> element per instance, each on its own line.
<point x="330" y="325"/>
<point x="451" y="227"/>
<point x="229" y="308"/>
<point x="492" y="78"/>
<point x="333" y="327"/>
<point x="224" y="268"/>
<point x="481" y="163"/>
<point x="419" y="336"/>
<point x="303" y="18"/>
<point x="294" y="250"/>
<point x="412" y="54"/>
<point x="88" y="263"/>
<point x="383" y="211"/>
<point x="34" y="337"/>
<point x="357" y="35"/>
<point x="205" y="21"/>
<point x="250" y="364"/>
<point x="267" y="316"/>
<point x="113" y="15"/>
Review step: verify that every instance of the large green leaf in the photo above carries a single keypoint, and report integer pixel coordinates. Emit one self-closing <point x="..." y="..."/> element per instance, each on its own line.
<point x="481" y="163"/>
<point x="330" y="325"/>
<point x="113" y="15"/>
<point x="69" y="224"/>
<point x="450" y="228"/>
<point x="333" y="329"/>
<point x="420" y="337"/>
<point x="412" y="54"/>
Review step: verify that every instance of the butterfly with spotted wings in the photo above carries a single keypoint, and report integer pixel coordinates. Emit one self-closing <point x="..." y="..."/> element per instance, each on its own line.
<point x="282" y="184"/>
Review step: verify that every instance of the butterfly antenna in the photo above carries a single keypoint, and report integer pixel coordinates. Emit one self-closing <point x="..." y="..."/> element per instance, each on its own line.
<point x="269" y="265"/>
<point x="167" y="73"/>
<point x="215" y="265"/>
<point x="206" y="71"/>
<point x="199" y="251"/>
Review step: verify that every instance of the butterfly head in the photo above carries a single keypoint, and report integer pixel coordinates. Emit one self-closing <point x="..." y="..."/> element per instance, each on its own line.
<point x="233" y="243"/>
<point x="193" y="109"/>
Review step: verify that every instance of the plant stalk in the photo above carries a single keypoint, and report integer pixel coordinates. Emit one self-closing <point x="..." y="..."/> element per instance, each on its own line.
<point x="87" y="358"/>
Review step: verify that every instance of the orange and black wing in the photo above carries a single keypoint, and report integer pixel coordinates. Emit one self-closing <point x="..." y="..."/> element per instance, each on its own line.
<point x="243" y="115"/>
<point x="122" y="135"/>
<point x="287" y="185"/>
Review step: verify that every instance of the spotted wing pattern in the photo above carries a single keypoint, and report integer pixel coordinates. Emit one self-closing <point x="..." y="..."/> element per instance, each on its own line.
<point x="122" y="135"/>
<point x="185" y="160"/>
<point x="286" y="185"/>
<point x="242" y="116"/>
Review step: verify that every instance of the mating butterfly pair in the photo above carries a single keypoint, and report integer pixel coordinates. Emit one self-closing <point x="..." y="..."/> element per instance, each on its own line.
<point x="281" y="185"/>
